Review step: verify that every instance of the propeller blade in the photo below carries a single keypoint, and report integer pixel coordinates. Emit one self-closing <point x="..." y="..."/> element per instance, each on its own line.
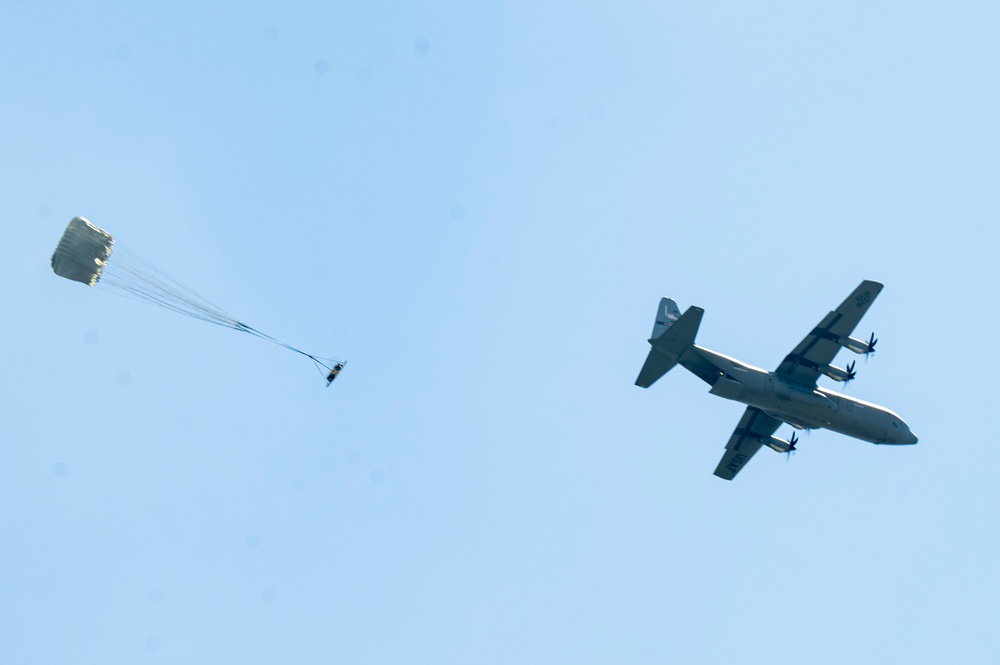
<point x="792" y="440"/>
<point x="871" y="343"/>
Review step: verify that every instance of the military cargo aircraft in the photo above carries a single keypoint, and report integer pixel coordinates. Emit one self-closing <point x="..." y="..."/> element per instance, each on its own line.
<point x="789" y="394"/>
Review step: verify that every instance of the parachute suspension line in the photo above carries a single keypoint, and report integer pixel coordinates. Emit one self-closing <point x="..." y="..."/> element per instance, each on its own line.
<point x="132" y="276"/>
<point x="137" y="292"/>
<point x="145" y="288"/>
<point x="316" y="360"/>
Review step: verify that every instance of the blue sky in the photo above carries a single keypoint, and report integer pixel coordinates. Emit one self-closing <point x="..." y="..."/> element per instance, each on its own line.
<point x="480" y="207"/>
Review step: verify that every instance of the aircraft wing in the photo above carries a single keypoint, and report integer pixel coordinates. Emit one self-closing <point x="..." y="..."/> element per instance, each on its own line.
<point x="820" y="346"/>
<point x="745" y="441"/>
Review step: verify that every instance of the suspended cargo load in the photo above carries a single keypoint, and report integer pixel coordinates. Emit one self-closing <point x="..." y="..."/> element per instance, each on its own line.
<point x="84" y="255"/>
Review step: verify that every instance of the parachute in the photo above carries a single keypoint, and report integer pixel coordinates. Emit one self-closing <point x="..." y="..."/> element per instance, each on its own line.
<point x="83" y="252"/>
<point x="84" y="255"/>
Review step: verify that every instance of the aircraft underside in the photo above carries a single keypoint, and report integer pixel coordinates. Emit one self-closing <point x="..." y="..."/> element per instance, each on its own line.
<point x="813" y="410"/>
<point x="789" y="394"/>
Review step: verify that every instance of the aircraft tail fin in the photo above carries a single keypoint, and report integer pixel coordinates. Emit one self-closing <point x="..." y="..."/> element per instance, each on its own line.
<point x="673" y="333"/>
<point x="666" y="315"/>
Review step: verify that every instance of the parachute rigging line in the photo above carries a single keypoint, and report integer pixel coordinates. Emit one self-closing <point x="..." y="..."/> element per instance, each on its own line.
<point x="90" y="255"/>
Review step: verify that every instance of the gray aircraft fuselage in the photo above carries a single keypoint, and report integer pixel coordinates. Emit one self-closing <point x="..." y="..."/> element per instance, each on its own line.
<point x="801" y="406"/>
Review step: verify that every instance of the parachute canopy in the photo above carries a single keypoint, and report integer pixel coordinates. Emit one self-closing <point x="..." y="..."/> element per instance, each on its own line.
<point x="83" y="252"/>
<point x="83" y="255"/>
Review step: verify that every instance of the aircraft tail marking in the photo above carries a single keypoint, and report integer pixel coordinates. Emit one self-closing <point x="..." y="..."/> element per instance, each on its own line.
<point x="666" y="316"/>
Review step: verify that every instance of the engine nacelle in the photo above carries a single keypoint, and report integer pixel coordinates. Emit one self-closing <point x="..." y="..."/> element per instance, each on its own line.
<point x="855" y="345"/>
<point x="778" y="445"/>
<point x="836" y="373"/>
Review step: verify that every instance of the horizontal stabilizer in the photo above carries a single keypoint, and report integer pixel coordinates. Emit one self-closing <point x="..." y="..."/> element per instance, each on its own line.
<point x="657" y="364"/>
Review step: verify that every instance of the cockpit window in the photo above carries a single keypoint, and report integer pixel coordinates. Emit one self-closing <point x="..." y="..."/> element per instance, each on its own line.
<point x="895" y="424"/>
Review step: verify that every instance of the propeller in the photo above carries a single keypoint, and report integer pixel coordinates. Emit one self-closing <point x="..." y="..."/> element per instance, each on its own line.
<point x="850" y="372"/>
<point x="792" y="440"/>
<point x="871" y="344"/>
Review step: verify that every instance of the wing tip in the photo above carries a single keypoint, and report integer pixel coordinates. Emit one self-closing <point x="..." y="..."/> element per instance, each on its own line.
<point x="872" y="283"/>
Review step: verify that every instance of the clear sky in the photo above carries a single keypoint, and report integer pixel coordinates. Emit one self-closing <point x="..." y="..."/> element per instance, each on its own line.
<point x="479" y="205"/>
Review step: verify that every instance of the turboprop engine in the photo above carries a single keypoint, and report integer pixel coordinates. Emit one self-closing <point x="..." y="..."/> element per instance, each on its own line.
<point x="780" y="445"/>
<point x="857" y="345"/>
<point x="839" y="374"/>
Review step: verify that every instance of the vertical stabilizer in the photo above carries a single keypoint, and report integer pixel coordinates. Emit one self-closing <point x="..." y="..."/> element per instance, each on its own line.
<point x="666" y="315"/>
<point x="673" y="333"/>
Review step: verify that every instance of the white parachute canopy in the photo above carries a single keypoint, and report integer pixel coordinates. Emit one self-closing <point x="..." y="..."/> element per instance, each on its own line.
<point x="84" y="254"/>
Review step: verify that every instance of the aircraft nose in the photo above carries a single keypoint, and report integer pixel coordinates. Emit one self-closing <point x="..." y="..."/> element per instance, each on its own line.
<point x="911" y="437"/>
